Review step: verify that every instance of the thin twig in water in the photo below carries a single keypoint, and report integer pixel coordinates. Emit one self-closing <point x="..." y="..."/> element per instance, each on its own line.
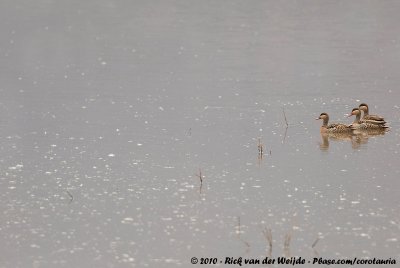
<point x="284" y="115"/>
<point x="238" y="226"/>
<point x="316" y="254"/>
<point x="240" y="238"/>
<point x="286" y="245"/>
<point x="246" y="243"/>
<point x="284" y="137"/>
<point x="268" y="236"/>
<point x="315" y="242"/>
<point x="260" y="147"/>
<point x="71" y="197"/>
<point x="200" y="176"/>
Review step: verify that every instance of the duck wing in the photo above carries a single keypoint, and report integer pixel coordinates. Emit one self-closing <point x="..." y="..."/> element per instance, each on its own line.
<point x="368" y="126"/>
<point x="372" y="121"/>
<point x="337" y="127"/>
<point x="374" y="117"/>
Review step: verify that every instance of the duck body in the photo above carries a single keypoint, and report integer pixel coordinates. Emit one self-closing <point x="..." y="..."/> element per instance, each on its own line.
<point x="362" y="124"/>
<point x="367" y="126"/>
<point x="374" y="119"/>
<point x="334" y="127"/>
<point x="371" y="118"/>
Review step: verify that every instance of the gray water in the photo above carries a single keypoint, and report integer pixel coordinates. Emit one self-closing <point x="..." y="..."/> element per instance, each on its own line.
<point x="109" y="111"/>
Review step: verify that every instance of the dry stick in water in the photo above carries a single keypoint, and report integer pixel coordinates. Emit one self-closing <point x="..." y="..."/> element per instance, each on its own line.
<point x="286" y="245"/>
<point x="313" y="247"/>
<point x="268" y="236"/>
<point x="315" y="242"/>
<point x="284" y="137"/>
<point x="238" y="225"/>
<point x="71" y="197"/>
<point x="260" y="148"/>
<point x="246" y="243"/>
<point x="200" y="176"/>
<point x="284" y="115"/>
<point x="240" y="238"/>
<point x="287" y="124"/>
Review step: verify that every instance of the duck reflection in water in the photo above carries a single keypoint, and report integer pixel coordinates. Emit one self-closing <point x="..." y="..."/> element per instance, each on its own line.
<point x="357" y="138"/>
<point x="324" y="145"/>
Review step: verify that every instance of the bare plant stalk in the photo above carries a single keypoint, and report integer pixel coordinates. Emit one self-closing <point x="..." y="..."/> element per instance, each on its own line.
<point x="284" y="137"/>
<point x="284" y="115"/>
<point x="71" y="197"/>
<point x="316" y="254"/>
<point x="286" y="245"/>
<point x="268" y="236"/>
<point x="260" y="147"/>
<point x="240" y="238"/>
<point x="315" y="242"/>
<point x="239" y="225"/>
<point x="245" y="242"/>
<point x="200" y="176"/>
<point x="287" y="125"/>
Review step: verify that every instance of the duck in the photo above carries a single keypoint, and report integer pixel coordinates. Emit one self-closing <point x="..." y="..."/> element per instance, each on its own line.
<point x="371" y="118"/>
<point x="361" y="124"/>
<point x="334" y="127"/>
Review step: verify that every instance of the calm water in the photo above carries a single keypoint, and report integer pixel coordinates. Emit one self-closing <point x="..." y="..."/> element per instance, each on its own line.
<point x="110" y="108"/>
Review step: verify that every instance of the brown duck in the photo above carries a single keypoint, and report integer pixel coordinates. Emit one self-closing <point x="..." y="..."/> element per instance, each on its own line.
<point x="371" y="118"/>
<point x="361" y="124"/>
<point x="334" y="127"/>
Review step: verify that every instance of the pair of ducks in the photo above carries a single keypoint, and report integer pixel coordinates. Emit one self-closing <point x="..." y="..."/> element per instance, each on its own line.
<point x="368" y="122"/>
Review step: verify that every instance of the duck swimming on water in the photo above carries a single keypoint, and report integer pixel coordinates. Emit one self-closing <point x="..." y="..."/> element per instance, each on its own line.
<point x="362" y="124"/>
<point x="334" y="127"/>
<point x="371" y="118"/>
